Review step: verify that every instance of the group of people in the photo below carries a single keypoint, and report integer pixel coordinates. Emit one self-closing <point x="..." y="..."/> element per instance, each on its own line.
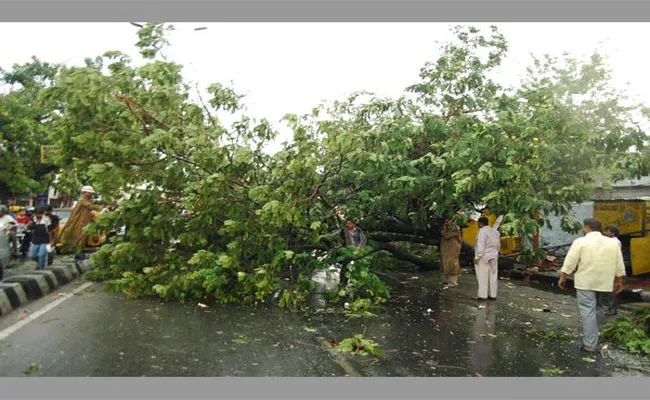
<point x="488" y="245"/>
<point x="595" y="260"/>
<point x="41" y="230"/>
<point x="486" y="257"/>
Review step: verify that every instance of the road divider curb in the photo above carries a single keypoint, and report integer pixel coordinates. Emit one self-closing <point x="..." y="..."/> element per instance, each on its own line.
<point x="18" y="290"/>
<point x="84" y="266"/>
<point x="50" y="278"/>
<point x="15" y="293"/>
<point x="35" y="286"/>
<point x="5" y="304"/>
<point x="63" y="273"/>
<point x="72" y="268"/>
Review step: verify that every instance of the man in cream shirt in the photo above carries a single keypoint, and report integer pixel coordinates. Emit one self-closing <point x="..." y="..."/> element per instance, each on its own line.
<point x="598" y="265"/>
<point x="486" y="260"/>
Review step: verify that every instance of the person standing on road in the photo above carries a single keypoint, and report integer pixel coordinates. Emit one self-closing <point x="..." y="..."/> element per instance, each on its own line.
<point x="7" y="224"/>
<point x="40" y="227"/>
<point x="81" y="215"/>
<point x="21" y="216"/>
<point x="610" y="300"/>
<point x="5" y="252"/>
<point x="486" y="260"/>
<point x="353" y="236"/>
<point x="23" y="220"/>
<point x="55" y="219"/>
<point x="10" y="226"/>
<point x="600" y="269"/>
<point x="450" y="247"/>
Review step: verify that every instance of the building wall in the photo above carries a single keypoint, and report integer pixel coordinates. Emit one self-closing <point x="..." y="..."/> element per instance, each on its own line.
<point x="556" y="236"/>
<point x="631" y="192"/>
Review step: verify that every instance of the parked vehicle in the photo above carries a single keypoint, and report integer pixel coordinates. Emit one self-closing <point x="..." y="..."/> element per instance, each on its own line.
<point x="632" y="217"/>
<point x="509" y="244"/>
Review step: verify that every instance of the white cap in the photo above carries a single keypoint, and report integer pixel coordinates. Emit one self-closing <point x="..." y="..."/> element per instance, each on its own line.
<point x="88" y="189"/>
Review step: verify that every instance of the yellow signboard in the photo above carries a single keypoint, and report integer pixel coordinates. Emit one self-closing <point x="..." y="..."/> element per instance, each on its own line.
<point x="46" y="152"/>
<point x="627" y="215"/>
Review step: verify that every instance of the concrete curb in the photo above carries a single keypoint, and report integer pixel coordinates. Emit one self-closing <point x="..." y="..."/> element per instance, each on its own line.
<point x="50" y="278"/>
<point x="72" y="268"/>
<point x="84" y="266"/>
<point x="18" y="290"/>
<point x="62" y="273"/>
<point x="15" y="293"/>
<point x="35" y="286"/>
<point x="5" y="304"/>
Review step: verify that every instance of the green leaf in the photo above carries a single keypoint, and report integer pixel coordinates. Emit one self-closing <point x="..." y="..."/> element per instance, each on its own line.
<point x="241" y="340"/>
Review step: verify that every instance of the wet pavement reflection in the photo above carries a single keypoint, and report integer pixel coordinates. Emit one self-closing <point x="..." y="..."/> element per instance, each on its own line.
<point x="425" y="329"/>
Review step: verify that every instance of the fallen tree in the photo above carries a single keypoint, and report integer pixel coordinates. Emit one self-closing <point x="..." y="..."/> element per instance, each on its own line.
<point x="210" y="214"/>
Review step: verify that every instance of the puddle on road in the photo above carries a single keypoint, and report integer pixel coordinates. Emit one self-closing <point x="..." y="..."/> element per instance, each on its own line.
<point x="423" y="330"/>
<point x="426" y="329"/>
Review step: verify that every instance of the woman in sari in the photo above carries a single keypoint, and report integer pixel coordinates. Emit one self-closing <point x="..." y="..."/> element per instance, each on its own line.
<point x="81" y="215"/>
<point x="450" y="246"/>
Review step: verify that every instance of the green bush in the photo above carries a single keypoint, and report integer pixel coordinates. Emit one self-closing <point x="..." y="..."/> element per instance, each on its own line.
<point x="632" y="333"/>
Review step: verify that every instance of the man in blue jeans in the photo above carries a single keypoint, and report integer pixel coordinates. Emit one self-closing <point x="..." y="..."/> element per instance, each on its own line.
<point x="40" y="227"/>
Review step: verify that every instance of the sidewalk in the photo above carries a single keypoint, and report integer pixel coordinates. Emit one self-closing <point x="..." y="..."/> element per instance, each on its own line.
<point x="24" y="282"/>
<point x="636" y="290"/>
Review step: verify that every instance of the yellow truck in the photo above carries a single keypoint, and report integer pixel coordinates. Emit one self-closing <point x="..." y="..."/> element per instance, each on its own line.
<point x="632" y="217"/>
<point x="509" y="244"/>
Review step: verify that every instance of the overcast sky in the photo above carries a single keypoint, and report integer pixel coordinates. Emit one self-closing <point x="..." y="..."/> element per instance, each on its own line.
<point x="292" y="67"/>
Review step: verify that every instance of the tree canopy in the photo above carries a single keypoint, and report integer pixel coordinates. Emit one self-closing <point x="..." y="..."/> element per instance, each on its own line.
<point x="23" y="129"/>
<point x="209" y="213"/>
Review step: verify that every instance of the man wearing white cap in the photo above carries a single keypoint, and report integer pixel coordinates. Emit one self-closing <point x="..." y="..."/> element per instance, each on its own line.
<point x="8" y="226"/>
<point x="81" y="216"/>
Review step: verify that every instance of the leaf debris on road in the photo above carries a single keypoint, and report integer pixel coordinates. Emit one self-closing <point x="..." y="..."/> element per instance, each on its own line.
<point x="32" y="369"/>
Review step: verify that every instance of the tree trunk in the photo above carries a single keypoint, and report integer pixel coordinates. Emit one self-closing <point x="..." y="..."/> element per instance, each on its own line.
<point x="424" y="264"/>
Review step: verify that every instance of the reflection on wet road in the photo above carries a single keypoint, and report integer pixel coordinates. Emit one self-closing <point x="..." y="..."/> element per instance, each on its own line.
<point x="424" y="330"/>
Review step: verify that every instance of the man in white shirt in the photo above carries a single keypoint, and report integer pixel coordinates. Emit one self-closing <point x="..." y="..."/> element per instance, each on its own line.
<point x="486" y="259"/>
<point x="600" y="269"/>
<point x="9" y="226"/>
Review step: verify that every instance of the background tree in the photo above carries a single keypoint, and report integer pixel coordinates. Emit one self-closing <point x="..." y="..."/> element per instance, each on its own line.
<point x="23" y="120"/>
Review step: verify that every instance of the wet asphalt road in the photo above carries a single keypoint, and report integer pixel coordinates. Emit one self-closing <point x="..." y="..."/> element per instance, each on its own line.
<point x="95" y="333"/>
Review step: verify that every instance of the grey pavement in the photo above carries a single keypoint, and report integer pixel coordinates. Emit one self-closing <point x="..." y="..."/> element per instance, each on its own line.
<point x="95" y="333"/>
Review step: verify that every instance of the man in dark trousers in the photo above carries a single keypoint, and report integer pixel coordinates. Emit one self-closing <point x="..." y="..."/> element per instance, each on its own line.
<point x="352" y="235"/>
<point x="609" y="301"/>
